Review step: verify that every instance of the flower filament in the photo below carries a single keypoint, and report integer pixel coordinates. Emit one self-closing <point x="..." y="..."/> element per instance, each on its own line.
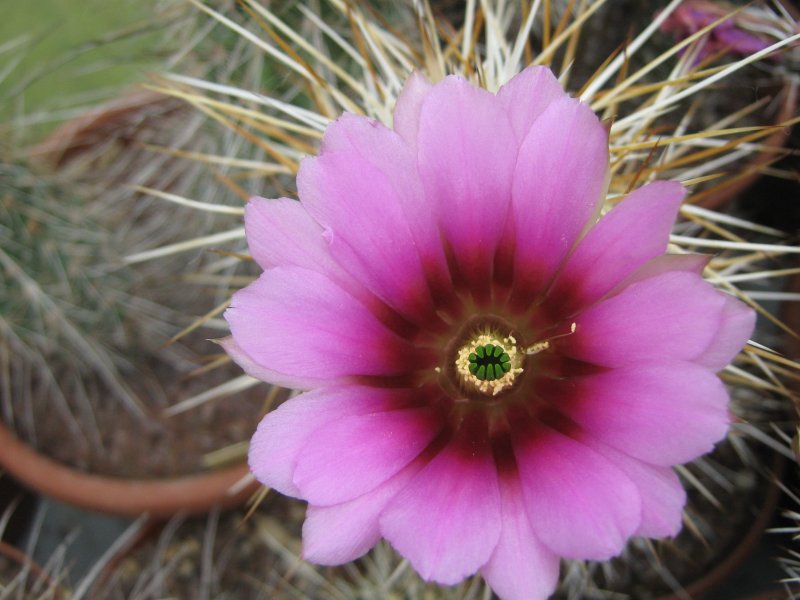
<point x="545" y="344"/>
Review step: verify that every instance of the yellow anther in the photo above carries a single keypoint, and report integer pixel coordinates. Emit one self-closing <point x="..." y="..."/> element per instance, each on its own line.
<point x="545" y="344"/>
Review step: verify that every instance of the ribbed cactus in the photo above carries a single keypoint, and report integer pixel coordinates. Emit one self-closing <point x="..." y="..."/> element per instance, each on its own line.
<point x="60" y="299"/>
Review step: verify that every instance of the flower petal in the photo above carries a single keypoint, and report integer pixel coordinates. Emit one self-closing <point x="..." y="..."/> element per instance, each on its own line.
<point x="634" y="232"/>
<point x="299" y="323"/>
<point x="521" y="567"/>
<point x="280" y="232"/>
<point x="408" y="107"/>
<point x="527" y="95"/>
<point x="254" y="369"/>
<point x="671" y="316"/>
<point x="559" y="181"/>
<point x="364" y="188"/>
<point x="667" y="263"/>
<point x="663" y="496"/>
<point x="467" y="151"/>
<point x="733" y="39"/>
<point x="664" y="413"/>
<point x="337" y="534"/>
<point x="283" y="432"/>
<point x="738" y="322"/>
<point x="579" y="504"/>
<point x="354" y="455"/>
<point x="446" y="521"/>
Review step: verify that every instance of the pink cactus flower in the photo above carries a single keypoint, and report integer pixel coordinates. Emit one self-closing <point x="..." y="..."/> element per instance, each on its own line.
<point x="494" y="378"/>
<point x="738" y="34"/>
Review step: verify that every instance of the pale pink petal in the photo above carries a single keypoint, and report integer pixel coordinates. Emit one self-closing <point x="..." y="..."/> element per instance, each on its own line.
<point x="254" y="369"/>
<point x="671" y="316"/>
<point x="634" y="232"/>
<point x="365" y="190"/>
<point x="527" y="95"/>
<point x="521" y="567"/>
<point x="337" y="534"/>
<point x="301" y="324"/>
<point x="281" y="233"/>
<point x="387" y="153"/>
<point x="663" y="496"/>
<point x="559" y="182"/>
<point x="668" y="263"/>
<point x="446" y="521"/>
<point x="663" y="413"/>
<point x="408" y="107"/>
<point x="354" y="455"/>
<point x="738" y="322"/>
<point x="467" y="152"/>
<point x="579" y="504"/>
<point x="283" y="432"/>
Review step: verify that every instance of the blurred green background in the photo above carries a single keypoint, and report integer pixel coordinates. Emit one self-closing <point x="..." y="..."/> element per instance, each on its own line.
<point x="56" y="54"/>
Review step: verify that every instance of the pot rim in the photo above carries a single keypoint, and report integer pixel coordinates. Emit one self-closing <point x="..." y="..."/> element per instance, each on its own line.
<point x="162" y="497"/>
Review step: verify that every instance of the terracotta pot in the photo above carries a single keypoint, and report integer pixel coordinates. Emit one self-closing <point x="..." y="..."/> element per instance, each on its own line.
<point x="194" y="494"/>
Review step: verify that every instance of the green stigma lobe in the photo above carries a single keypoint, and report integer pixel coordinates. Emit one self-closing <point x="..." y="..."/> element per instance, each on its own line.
<point x="489" y="362"/>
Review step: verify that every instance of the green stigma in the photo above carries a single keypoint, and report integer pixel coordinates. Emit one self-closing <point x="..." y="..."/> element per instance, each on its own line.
<point x="489" y="362"/>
